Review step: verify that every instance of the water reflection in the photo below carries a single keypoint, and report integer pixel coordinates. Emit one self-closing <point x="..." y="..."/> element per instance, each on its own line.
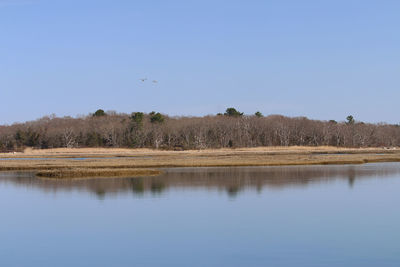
<point x="231" y="180"/>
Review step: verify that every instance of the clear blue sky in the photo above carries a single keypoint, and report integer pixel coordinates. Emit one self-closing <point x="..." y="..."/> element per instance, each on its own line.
<point x="321" y="59"/>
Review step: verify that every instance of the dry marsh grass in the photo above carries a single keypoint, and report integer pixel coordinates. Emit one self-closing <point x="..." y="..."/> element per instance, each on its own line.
<point x="106" y="162"/>
<point x="90" y="173"/>
<point x="126" y="152"/>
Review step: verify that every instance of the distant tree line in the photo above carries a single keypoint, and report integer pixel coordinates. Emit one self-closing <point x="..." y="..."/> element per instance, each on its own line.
<point x="231" y="129"/>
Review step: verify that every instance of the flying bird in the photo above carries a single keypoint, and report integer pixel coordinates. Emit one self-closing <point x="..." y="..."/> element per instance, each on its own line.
<point x="154" y="81"/>
<point x="143" y="79"/>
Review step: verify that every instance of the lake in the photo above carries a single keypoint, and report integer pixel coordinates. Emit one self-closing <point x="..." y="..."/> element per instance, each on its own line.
<point x="243" y="216"/>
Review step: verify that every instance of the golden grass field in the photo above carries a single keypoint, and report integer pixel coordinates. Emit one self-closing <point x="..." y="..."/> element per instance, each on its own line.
<point x="110" y="162"/>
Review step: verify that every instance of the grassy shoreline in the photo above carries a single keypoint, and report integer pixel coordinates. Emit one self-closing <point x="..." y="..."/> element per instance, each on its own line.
<point x="62" y="163"/>
<point x="97" y="173"/>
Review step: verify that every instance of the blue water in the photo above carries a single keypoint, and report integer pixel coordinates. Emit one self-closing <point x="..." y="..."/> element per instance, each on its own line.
<point x="263" y="216"/>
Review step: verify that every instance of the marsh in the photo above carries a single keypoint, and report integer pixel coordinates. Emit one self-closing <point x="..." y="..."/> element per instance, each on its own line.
<point x="336" y="215"/>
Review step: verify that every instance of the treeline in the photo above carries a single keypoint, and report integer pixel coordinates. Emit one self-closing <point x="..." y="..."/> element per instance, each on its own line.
<point x="231" y="129"/>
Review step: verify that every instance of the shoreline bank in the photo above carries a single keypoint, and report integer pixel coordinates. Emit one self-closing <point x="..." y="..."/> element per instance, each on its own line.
<point x="63" y="163"/>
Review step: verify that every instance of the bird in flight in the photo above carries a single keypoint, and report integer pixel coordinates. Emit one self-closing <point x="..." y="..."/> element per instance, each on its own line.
<point x="143" y="79"/>
<point x="155" y="81"/>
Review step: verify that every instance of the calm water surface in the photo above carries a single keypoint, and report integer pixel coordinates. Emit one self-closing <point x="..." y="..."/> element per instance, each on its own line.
<point x="247" y="216"/>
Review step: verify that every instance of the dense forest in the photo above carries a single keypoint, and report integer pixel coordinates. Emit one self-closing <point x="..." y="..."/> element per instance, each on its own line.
<point x="155" y="130"/>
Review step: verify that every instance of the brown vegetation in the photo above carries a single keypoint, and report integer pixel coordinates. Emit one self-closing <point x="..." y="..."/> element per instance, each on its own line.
<point x="104" y="160"/>
<point x="94" y="172"/>
<point x="181" y="133"/>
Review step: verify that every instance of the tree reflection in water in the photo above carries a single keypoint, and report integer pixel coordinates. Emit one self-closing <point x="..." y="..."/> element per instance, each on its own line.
<point x="231" y="180"/>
